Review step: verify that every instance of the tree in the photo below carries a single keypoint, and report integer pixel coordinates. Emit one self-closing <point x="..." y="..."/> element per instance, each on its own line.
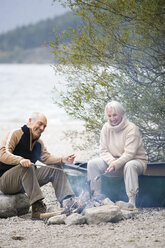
<point x="117" y="54"/>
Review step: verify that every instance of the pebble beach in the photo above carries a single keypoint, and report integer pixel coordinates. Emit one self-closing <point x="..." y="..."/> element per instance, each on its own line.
<point x="145" y="229"/>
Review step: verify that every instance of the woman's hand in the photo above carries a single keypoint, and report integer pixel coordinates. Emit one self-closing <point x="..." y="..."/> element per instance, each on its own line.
<point x="111" y="167"/>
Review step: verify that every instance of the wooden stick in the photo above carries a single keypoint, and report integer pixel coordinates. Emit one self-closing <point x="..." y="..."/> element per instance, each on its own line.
<point x="48" y="215"/>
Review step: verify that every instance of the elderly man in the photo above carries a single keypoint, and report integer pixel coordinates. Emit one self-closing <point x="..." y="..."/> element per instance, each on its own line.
<point x="121" y="154"/>
<point x="19" y="152"/>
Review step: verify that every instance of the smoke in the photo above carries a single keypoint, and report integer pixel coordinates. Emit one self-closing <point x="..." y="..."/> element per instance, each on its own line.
<point x="79" y="184"/>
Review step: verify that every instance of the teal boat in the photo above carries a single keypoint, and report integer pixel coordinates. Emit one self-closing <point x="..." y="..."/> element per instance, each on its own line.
<point x="151" y="185"/>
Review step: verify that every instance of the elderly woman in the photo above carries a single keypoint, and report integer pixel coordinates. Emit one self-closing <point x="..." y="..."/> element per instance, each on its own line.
<point x="121" y="154"/>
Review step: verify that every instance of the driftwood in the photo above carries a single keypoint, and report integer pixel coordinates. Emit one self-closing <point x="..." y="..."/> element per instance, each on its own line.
<point x="48" y="215"/>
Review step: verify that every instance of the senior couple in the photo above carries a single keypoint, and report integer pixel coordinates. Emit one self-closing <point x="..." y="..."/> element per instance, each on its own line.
<point x="121" y="153"/>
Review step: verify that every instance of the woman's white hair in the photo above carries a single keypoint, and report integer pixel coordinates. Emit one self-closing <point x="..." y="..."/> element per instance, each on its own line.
<point x="116" y="106"/>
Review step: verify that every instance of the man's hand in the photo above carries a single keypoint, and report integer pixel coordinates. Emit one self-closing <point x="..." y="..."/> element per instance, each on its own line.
<point x="69" y="159"/>
<point x="26" y="162"/>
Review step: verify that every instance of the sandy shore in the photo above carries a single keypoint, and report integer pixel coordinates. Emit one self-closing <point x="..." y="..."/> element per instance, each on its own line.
<point x="146" y="229"/>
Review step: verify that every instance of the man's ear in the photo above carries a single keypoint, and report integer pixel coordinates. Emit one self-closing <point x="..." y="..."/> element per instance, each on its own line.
<point x="29" y="122"/>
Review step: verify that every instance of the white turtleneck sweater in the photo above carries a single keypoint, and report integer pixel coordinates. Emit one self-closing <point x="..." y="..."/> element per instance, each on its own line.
<point x="122" y="143"/>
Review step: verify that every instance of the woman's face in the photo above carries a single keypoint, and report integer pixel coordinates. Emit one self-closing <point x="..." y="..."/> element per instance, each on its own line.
<point x="113" y="117"/>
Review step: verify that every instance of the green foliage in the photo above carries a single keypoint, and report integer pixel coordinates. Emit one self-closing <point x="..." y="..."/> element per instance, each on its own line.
<point x="117" y="54"/>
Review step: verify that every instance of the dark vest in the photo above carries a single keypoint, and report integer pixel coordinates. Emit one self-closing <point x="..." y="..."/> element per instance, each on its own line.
<point x="23" y="149"/>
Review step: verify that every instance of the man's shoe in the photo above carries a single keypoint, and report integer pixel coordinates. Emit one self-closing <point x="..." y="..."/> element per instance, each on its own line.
<point x="38" y="208"/>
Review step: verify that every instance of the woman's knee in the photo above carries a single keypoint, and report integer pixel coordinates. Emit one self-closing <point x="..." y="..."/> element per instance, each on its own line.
<point x="133" y="165"/>
<point x="91" y="164"/>
<point x="94" y="163"/>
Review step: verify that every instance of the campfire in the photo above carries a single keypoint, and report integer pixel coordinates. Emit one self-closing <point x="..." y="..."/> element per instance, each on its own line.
<point x="82" y="202"/>
<point x="88" y="209"/>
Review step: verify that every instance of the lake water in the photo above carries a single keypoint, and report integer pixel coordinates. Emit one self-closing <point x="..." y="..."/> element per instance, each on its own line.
<point x="28" y="88"/>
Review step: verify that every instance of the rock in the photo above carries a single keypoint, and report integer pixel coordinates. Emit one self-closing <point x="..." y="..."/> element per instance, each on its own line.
<point x="13" y="205"/>
<point x="58" y="219"/>
<point x="105" y="213"/>
<point x="129" y="214"/>
<point x="75" y="219"/>
<point x="107" y="201"/>
<point x="51" y="209"/>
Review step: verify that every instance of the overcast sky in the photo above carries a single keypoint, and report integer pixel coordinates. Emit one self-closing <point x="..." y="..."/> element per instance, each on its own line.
<point x="16" y="13"/>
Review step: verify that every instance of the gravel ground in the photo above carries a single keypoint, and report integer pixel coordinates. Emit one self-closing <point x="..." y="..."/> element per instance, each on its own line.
<point x="146" y="229"/>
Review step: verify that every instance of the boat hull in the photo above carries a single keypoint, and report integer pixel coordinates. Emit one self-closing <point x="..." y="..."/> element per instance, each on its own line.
<point x="151" y="190"/>
<point x="151" y="186"/>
